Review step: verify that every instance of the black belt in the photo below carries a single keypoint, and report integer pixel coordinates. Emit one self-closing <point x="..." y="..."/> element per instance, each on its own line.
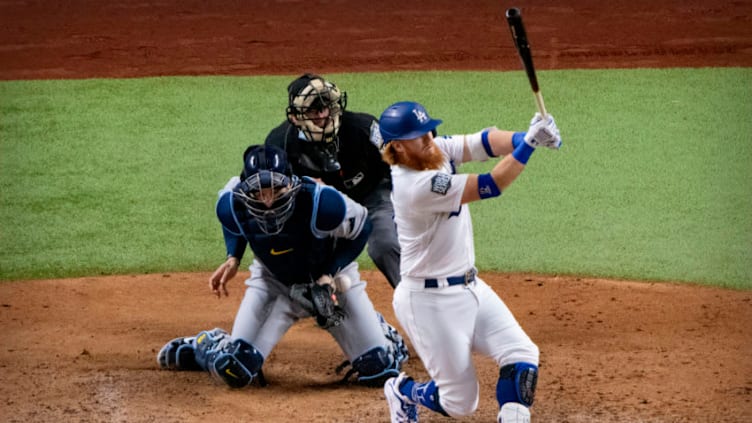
<point x="465" y="279"/>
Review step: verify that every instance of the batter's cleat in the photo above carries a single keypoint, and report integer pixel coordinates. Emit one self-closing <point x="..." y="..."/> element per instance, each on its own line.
<point x="513" y="412"/>
<point x="401" y="408"/>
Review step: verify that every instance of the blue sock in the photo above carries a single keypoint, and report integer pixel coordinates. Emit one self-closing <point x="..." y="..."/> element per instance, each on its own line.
<point x="425" y="394"/>
<point x="406" y="388"/>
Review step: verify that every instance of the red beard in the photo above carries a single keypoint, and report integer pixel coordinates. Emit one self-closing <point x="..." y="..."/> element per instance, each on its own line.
<point x="429" y="159"/>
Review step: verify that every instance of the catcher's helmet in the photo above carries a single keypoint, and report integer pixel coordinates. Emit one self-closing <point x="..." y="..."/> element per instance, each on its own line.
<point x="406" y="120"/>
<point x="309" y="95"/>
<point x="268" y="187"/>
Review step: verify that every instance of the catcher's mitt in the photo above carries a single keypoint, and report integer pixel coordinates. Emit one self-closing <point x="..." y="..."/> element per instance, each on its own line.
<point x="320" y="301"/>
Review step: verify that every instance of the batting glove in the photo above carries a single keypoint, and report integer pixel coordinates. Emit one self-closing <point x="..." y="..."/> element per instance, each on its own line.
<point x="543" y="133"/>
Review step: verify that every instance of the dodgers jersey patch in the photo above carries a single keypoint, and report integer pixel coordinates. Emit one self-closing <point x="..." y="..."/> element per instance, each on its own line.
<point x="440" y="183"/>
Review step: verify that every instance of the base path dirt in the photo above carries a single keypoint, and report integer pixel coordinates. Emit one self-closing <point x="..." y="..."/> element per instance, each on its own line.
<point x="83" y="350"/>
<point x="611" y="351"/>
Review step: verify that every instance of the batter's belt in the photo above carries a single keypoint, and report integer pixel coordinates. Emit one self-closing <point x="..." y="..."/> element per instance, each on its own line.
<point x="465" y="279"/>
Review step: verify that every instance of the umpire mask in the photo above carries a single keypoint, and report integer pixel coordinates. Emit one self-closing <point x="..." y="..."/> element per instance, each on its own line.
<point x="269" y="188"/>
<point x="315" y="107"/>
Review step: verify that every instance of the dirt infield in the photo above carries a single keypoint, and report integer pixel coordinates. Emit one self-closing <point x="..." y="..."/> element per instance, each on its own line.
<point x="83" y="350"/>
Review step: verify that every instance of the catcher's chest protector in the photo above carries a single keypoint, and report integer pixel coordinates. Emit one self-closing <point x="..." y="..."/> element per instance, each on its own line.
<point x="294" y="255"/>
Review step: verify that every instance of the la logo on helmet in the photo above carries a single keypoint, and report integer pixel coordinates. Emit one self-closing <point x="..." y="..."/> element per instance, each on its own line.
<point x="421" y="115"/>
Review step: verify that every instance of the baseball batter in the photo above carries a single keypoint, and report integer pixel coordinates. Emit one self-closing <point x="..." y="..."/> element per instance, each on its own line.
<point x="305" y="238"/>
<point x="447" y="311"/>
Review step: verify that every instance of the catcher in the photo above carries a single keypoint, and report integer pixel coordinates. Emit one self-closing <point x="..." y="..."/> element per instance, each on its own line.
<point x="324" y="140"/>
<point x="305" y="238"/>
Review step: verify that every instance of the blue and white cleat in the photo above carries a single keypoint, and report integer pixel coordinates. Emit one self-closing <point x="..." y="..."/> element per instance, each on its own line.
<point x="401" y="408"/>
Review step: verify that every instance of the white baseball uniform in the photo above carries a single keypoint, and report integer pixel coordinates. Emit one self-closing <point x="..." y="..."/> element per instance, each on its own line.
<point x="445" y="309"/>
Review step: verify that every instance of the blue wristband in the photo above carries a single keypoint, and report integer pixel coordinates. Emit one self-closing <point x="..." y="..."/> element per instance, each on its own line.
<point x="486" y="144"/>
<point x="517" y="139"/>
<point x="487" y="187"/>
<point x="522" y="152"/>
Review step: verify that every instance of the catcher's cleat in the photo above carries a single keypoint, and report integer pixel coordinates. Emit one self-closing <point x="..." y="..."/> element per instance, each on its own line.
<point x="401" y="408"/>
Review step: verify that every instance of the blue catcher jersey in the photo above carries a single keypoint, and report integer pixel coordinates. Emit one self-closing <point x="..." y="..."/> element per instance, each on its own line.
<point x="304" y="250"/>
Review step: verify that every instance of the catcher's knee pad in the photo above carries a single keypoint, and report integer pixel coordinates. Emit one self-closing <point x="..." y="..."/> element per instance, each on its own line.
<point x="374" y="367"/>
<point x="236" y="364"/>
<point x="517" y="384"/>
<point x="178" y="354"/>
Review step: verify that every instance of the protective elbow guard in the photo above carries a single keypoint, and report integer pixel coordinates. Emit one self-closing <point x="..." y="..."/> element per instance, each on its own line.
<point x="479" y="145"/>
<point x="236" y="364"/>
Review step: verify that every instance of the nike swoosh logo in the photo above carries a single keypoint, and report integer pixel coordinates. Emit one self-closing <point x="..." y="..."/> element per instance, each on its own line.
<point x="279" y="253"/>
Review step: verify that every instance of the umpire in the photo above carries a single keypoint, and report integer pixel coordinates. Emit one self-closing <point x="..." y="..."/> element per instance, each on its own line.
<point x="341" y="148"/>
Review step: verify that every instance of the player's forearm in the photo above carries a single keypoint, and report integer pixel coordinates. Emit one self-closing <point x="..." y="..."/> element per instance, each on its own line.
<point x="500" y="142"/>
<point x="506" y="171"/>
<point x="234" y="244"/>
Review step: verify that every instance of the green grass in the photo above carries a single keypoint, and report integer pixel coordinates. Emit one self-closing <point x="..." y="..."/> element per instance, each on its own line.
<point x="654" y="181"/>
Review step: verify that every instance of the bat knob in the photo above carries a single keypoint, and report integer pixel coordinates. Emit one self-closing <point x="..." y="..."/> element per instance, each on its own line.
<point x="513" y="12"/>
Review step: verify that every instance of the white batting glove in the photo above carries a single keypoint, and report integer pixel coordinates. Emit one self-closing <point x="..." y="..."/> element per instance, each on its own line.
<point x="543" y="133"/>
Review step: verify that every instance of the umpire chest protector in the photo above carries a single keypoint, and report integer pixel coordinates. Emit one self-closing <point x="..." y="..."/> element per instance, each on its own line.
<point x="362" y="168"/>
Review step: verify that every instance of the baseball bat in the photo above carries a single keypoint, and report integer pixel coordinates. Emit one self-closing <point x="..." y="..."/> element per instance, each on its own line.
<point x="514" y="19"/>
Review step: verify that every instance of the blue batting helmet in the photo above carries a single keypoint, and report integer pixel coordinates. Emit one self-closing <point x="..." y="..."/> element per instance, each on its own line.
<point x="406" y="120"/>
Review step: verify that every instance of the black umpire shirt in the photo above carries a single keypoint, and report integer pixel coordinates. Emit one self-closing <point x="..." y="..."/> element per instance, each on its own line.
<point x="362" y="168"/>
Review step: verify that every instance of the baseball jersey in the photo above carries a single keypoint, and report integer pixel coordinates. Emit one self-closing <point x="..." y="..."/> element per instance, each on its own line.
<point x="326" y="232"/>
<point x="362" y="168"/>
<point x="433" y="226"/>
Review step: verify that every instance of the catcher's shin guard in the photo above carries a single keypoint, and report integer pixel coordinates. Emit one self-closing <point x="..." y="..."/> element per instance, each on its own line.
<point x="208" y="341"/>
<point x="190" y="352"/>
<point x="178" y="354"/>
<point x="372" y="368"/>
<point x="378" y="364"/>
<point x="396" y="345"/>
<point x="236" y="364"/>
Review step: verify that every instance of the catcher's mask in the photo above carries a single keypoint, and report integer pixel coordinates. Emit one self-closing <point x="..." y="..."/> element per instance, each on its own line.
<point x="268" y="188"/>
<point x="315" y="107"/>
<point x="406" y="120"/>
